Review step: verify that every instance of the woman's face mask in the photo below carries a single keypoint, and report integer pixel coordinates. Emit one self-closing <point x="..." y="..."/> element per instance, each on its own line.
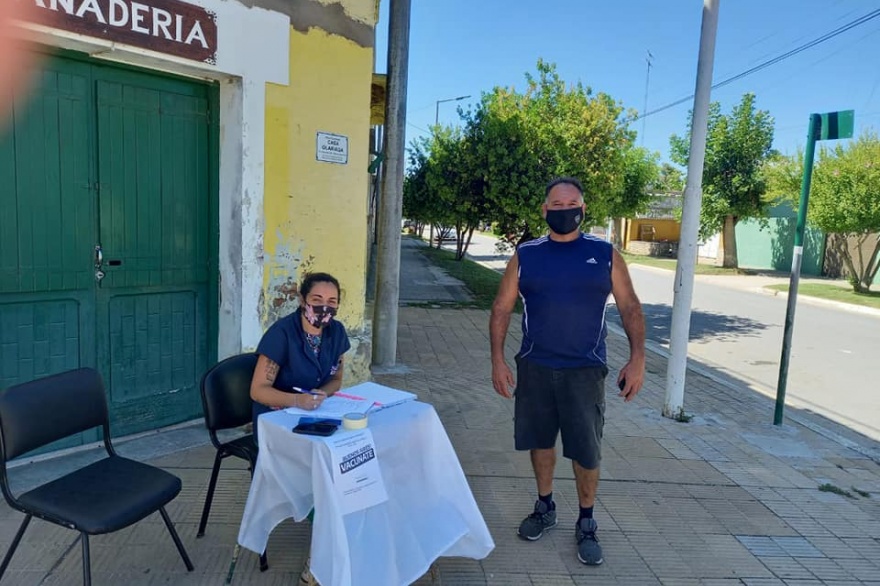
<point x="319" y="315"/>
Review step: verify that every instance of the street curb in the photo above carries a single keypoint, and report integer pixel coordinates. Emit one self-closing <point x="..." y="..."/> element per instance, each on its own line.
<point x="851" y="307"/>
<point x="656" y="348"/>
<point x="764" y="290"/>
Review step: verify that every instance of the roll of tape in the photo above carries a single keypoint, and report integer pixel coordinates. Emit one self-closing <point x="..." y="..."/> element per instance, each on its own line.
<point x="354" y="421"/>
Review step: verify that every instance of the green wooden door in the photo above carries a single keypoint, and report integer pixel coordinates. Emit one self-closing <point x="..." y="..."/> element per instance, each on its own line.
<point x="154" y="205"/>
<point x="118" y="159"/>
<point x="47" y="229"/>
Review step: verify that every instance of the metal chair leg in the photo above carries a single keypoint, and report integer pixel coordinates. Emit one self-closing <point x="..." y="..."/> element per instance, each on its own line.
<point x="176" y="538"/>
<point x="87" y="561"/>
<point x="210" y="496"/>
<point x="8" y="557"/>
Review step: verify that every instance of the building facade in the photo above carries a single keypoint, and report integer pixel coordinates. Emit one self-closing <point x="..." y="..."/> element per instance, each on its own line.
<point x="173" y="172"/>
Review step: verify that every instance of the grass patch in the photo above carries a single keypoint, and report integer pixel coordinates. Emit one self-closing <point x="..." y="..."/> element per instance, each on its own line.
<point x="861" y="493"/>
<point x="835" y="489"/>
<point x="669" y="264"/>
<point x="834" y="293"/>
<point x="480" y="281"/>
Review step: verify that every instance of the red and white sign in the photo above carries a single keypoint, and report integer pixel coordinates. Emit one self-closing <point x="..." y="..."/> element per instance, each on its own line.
<point x="167" y="26"/>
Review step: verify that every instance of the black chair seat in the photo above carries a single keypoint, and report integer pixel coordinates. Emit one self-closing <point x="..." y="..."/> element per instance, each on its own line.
<point x="244" y="447"/>
<point x="105" y="496"/>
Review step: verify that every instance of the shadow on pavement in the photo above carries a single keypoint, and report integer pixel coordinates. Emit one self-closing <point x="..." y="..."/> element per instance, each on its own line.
<point x="704" y="324"/>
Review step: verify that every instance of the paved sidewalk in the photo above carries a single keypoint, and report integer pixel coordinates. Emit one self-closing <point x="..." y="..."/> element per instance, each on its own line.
<point x="726" y="499"/>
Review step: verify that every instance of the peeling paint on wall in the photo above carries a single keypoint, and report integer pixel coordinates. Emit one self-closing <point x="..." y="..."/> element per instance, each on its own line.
<point x="357" y="360"/>
<point x="284" y="274"/>
<point x="315" y="212"/>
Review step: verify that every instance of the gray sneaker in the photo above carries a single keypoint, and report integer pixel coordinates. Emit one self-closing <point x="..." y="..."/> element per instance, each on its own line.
<point x="589" y="550"/>
<point x="533" y="526"/>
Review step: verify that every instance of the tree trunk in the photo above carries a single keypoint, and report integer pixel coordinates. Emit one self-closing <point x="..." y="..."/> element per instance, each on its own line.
<point x="467" y="244"/>
<point x="841" y="243"/>
<point x="873" y="265"/>
<point x="459" y="242"/>
<point x="729" y="243"/>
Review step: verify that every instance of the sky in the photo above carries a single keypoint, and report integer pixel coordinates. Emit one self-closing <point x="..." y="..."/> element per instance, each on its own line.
<point x="466" y="47"/>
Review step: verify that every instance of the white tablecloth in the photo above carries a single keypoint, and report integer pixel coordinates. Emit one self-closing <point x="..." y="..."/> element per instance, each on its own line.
<point x="430" y="511"/>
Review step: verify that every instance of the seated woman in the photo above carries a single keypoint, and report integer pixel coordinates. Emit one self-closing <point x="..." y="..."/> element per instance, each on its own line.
<point x="300" y="361"/>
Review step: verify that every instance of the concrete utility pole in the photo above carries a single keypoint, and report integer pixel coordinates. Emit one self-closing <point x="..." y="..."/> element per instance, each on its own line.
<point x="690" y="219"/>
<point x="391" y="201"/>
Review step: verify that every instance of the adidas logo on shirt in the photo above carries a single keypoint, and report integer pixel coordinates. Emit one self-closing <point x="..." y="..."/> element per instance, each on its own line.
<point x="591" y="261"/>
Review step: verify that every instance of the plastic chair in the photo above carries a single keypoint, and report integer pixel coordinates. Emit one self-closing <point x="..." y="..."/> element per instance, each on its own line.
<point x="103" y="497"/>
<point x="226" y="400"/>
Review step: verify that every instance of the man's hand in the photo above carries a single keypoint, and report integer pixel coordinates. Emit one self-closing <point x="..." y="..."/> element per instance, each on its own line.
<point x="632" y="377"/>
<point x="502" y="379"/>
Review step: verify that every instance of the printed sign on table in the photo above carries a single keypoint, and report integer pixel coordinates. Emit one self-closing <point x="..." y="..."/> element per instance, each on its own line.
<point x="356" y="474"/>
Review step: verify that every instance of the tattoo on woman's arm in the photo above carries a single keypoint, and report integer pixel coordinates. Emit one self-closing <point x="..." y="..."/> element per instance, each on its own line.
<point x="271" y="370"/>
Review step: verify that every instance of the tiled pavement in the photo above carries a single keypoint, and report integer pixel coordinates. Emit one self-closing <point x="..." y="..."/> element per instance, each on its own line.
<point x="726" y="499"/>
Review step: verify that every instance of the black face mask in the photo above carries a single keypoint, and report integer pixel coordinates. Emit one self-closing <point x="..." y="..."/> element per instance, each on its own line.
<point x="565" y="221"/>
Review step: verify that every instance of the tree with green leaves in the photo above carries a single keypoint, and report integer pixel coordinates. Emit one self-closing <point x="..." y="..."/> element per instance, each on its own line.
<point x="669" y="179"/>
<point x="419" y="203"/>
<point x="444" y="186"/>
<point x="734" y="188"/>
<point x="845" y="202"/>
<point x="456" y="182"/>
<point x="522" y="140"/>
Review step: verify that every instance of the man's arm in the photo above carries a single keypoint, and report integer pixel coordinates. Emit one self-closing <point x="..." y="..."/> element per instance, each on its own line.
<point x="630" y="310"/>
<point x="502" y="308"/>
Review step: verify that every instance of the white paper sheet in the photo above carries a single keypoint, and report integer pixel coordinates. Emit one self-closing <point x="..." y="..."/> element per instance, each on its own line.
<point x="335" y="407"/>
<point x="356" y="475"/>
<point x="380" y="396"/>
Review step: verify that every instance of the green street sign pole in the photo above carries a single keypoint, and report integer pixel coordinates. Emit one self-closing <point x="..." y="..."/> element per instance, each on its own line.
<point x="831" y="126"/>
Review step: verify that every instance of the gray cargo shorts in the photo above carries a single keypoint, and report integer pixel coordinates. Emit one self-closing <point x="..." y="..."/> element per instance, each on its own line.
<point x="570" y="400"/>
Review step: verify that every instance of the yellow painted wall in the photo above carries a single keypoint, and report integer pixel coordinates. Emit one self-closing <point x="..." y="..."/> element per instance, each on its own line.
<point x="669" y="230"/>
<point x="315" y="212"/>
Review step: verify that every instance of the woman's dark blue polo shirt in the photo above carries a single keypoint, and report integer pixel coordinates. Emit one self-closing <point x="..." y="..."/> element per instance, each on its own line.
<point x="285" y="344"/>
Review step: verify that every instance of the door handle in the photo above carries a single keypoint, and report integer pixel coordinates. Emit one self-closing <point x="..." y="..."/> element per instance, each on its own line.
<point x="99" y="263"/>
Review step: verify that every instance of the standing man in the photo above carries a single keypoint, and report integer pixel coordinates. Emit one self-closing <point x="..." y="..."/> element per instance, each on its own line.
<point x="564" y="280"/>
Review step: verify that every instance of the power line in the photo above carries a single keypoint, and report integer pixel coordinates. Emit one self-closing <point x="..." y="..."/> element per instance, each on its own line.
<point x="826" y="37"/>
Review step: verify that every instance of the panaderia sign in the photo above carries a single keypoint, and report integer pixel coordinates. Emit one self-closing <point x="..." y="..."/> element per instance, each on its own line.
<point x="167" y="26"/>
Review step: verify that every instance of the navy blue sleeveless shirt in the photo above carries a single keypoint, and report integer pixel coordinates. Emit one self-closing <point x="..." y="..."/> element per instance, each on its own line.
<point x="564" y="287"/>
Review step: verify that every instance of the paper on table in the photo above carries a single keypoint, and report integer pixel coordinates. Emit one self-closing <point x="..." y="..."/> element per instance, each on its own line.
<point x="335" y="406"/>
<point x="379" y="395"/>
